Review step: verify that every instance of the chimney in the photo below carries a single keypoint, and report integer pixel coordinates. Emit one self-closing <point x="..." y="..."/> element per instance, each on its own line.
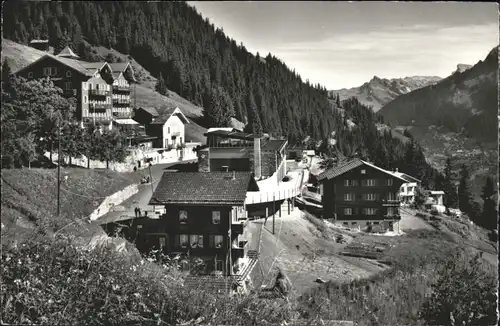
<point x="397" y="170"/>
<point x="257" y="158"/>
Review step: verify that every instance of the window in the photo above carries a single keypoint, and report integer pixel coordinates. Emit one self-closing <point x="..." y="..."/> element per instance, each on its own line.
<point x="390" y="211"/>
<point x="347" y="211"/>
<point x="53" y="71"/>
<point x="194" y="241"/>
<point x="183" y="217"/>
<point x="216" y="217"/>
<point x="200" y="241"/>
<point x="369" y="182"/>
<point x="363" y="171"/>
<point x="30" y="74"/>
<point x="370" y="197"/>
<point x="97" y="86"/>
<point x="389" y="182"/>
<point x="348" y="197"/>
<point x="391" y="196"/>
<point x="85" y="99"/>
<point x="348" y="183"/>
<point x="68" y="73"/>
<point x="184" y="241"/>
<point x="168" y="130"/>
<point x="354" y="223"/>
<point x="67" y="85"/>
<point x="369" y="211"/>
<point x="46" y="71"/>
<point x="218" y="241"/>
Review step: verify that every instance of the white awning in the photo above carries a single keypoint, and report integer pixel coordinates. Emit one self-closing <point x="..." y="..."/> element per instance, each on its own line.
<point x="126" y="122"/>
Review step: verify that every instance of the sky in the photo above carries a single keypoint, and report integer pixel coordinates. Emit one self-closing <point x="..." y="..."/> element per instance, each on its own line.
<point x="345" y="44"/>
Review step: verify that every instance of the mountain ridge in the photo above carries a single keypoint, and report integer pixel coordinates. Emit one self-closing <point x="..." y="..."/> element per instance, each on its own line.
<point x="379" y="91"/>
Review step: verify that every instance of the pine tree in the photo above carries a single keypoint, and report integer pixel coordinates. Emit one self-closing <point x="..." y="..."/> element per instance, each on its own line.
<point x="489" y="214"/>
<point x="464" y="195"/>
<point x="160" y="86"/>
<point x="337" y="100"/>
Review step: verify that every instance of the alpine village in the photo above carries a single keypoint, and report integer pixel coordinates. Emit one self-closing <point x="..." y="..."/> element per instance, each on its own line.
<point x="156" y="172"/>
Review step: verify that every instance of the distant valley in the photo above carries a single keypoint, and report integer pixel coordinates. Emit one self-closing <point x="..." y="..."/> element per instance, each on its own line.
<point x="379" y="91"/>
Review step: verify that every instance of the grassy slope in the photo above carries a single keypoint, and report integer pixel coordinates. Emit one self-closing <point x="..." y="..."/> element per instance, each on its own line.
<point x="20" y="56"/>
<point x="29" y="198"/>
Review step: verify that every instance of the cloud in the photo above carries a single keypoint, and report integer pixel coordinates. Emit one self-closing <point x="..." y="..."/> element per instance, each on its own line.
<point x="398" y="51"/>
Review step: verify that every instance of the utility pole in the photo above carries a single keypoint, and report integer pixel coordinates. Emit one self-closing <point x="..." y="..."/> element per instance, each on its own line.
<point x="151" y="180"/>
<point x="274" y="211"/>
<point x="58" y="169"/>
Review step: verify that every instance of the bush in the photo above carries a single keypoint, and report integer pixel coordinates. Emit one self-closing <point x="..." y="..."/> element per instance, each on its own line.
<point x="464" y="294"/>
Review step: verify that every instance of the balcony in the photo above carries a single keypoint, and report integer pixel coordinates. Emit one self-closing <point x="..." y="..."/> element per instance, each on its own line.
<point x="122" y="115"/>
<point x="238" y="226"/>
<point x="98" y="92"/>
<point x="176" y="134"/>
<point x="120" y="88"/>
<point x="121" y="102"/>
<point x="99" y="106"/>
<point x="391" y="202"/>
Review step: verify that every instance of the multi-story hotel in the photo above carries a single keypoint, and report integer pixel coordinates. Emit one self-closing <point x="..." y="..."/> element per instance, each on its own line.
<point x="102" y="90"/>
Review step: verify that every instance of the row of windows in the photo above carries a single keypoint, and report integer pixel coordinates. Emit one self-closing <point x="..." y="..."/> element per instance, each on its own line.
<point x="366" y="182"/>
<point x="50" y="71"/>
<point x="196" y="241"/>
<point x="97" y="86"/>
<point x="371" y="211"/>
<point x="368" y="197"/>
<point x="183" y="217"/>
<point x="365" y="211"/>
<point x="120" y="82"/>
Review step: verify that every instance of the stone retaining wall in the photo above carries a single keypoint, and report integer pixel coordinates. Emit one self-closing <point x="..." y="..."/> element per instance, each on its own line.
<point x="115" y="199"/>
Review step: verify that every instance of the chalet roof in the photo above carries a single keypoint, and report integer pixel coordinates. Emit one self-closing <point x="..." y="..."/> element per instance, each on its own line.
<point x="150" y="110"/>
<point x="232" y="134"/>
<point x="274" y="145"/>
<point x="203" y="188"/>
<point x="223" y="129"/>
<point x="407" y="177"/>
<point x="167" y="113"/>
<point x="39" y="41"/>
<point x="121" y="67"/>
<point x="339" y="170"/>
<point x="67" y="53"/>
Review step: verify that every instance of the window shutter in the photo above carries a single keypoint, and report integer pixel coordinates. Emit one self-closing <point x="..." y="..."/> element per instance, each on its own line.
<point x="177" y="241"/>
<point x="211" y="241"/>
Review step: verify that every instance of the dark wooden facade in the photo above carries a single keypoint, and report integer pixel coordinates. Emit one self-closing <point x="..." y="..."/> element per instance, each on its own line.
<point x="362" y="193"/>
<point x="219" y="245"/>
<point x="64" y="77"/>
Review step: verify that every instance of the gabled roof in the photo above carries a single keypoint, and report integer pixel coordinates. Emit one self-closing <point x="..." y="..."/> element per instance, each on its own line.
<point x="39" y="41"/>
<point x="121" y="67"/>
<point x="67" y="53"/>
<point x="150" y="110"/>
<point x="223" y="129"/>
<point x="203" y="188"/>
<point x="70" y="63"/>
<point x="232" y="134"/>
<point x="407" y="177"/>
<point x="339" y="170"/>
<point x="168" y="113"/>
